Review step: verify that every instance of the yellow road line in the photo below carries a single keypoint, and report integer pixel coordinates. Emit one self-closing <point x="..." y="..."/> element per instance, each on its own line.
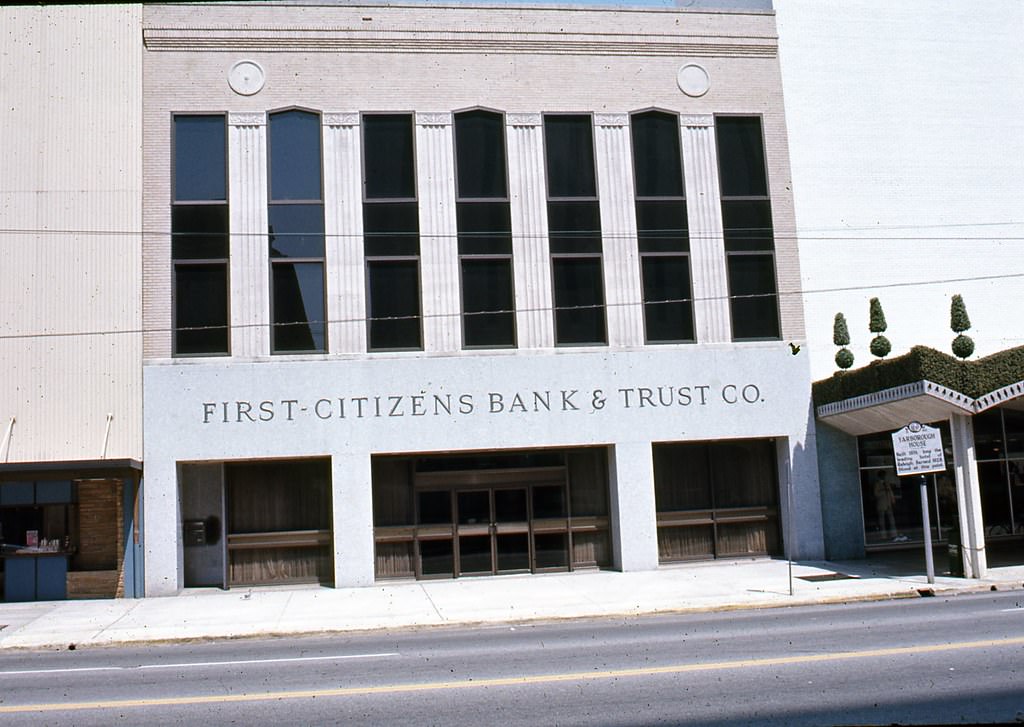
<point x="509" y="681"/>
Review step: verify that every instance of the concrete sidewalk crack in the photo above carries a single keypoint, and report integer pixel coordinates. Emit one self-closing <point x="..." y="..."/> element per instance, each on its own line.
<point x="432" y="604"/>
<point x="131" y="608"/>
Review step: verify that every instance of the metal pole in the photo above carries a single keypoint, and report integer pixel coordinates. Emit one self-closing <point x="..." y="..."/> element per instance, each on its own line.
<point x="926" y="521"/>
<point x="792" y="536"/>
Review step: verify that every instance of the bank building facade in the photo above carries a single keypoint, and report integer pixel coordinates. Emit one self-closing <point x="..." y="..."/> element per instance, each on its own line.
<point x="435" y="292"/>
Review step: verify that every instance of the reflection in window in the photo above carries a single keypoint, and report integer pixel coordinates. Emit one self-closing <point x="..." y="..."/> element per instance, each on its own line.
<point x="199" y="236"/>
<point x="662" y="236"/>
<point x="485" y="231"/>
<point x="391" y="232"/>
<point x="296" y="233"/>
<point x="892" y="505"/>
<point x="574" y="228"/>
<point x="747" y="223"/>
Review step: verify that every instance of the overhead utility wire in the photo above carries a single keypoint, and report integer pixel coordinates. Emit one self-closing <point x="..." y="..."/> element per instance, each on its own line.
<point x="546" y="310"/>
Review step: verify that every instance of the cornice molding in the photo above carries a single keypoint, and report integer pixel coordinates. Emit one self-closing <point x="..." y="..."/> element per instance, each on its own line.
<point x="415" y="41"/>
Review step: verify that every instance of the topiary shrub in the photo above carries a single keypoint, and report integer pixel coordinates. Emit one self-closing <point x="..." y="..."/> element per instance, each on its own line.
<point x="959" y="321"/>
<point x="841" y="337"/>
<point x="880" y="345"/>
<point x="844" y="358"/>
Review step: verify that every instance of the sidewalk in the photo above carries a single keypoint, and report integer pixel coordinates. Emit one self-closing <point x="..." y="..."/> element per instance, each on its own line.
<point x="241" y="612"/>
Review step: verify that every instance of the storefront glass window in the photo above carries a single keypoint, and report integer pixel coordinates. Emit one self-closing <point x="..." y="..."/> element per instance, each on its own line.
<point x="892" y="505"/>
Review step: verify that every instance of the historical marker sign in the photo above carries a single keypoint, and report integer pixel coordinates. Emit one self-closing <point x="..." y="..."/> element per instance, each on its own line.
<point x="918" y="450"/>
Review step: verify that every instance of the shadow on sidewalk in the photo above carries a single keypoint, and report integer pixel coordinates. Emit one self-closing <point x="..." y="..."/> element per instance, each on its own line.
<point x="910" y="561"/>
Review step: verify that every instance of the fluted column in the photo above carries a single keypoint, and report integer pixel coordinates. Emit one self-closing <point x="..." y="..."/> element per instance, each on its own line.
<point x="343" y="224"/>
<point x="623" y="291"/>
<point x="439" y="247"/>
<point x="707" y="243"/>
<point x="531" y="251"/>
<point x="250" y="262"/>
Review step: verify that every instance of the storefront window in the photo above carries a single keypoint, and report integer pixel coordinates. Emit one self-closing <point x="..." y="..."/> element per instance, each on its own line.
<point x="999" y="443"/>
<point x="892" y="505"/>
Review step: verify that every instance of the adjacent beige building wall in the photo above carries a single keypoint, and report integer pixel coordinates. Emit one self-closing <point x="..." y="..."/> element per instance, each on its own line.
<point x="345" y="59"/>
<point x="70" y="240"/>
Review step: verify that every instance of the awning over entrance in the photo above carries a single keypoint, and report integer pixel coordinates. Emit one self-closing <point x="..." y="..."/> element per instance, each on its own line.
<point x="70" y="469"/>
<point x="923" y="385"/>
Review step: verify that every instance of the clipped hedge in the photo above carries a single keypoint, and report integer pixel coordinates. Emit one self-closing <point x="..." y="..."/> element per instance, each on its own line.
<point x="971" y="378"/>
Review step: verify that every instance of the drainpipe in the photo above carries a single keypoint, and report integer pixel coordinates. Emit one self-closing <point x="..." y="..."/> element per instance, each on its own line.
<point x="6" y="446"/>
<point x="106" y="436"/>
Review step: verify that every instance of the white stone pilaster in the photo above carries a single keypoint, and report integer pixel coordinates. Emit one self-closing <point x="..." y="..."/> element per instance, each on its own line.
<point x="161" y="528"/>
<point x="623" y="288"/>
<point x="439" y="246"/>
<point x="968" y="496"/>
<point x="531" y="256"/>
<point x="352" y="505"/>
<point x="343" y="224"/>
<point x="633" y="511"/>
<point x="707" y="242"/>
<point x="249" y="265"/>
<point x="801" y="526"/>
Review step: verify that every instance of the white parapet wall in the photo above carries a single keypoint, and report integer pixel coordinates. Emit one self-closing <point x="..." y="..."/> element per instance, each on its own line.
<point x="906" y="140"/>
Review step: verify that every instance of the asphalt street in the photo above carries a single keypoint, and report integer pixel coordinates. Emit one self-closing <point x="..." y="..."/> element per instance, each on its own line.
<point x="931" y="660"/>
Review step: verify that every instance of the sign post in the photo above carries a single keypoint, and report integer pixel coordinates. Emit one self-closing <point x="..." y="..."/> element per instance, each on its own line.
<point x="918" y="451"/>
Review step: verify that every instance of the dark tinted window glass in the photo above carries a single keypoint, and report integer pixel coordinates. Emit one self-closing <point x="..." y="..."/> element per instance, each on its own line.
<point x="741" y="156"/>
<point x="569" y="150"/>
<point x="549" y="502"/>
<point x="394" y="287"/>
<point x="743" y="473"/>
<point x="658" y="165"/>
<point x="487" y="300"/>
<point x="388" y="156"/>
<point x="748" y="225"/>
<point x="668" y="310"/>
<point x="294" y="156"/>
<point x="480" y="154"/>
<point x="661" y="226"/>
<point x="682" y="480"/>
<point x="298" y="306"/>
<point x="574" y="227"/>
<point x="752" y="296"/>
<point x="201" y="308"/>
<point x="1014" y="422"/>
<point x="296" y="230"/>
<point x="988" y="434"/>
<point x="199" y="158"/>
<point x="391" y="228"/>
<point x="484" y="228"/>
<point x="435" y="508"/>
<point x="200" y="231"/>
<point x="579" y="300"/>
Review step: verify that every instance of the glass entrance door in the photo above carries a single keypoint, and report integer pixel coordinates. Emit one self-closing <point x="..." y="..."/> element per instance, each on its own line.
<point x="493" y="531"/>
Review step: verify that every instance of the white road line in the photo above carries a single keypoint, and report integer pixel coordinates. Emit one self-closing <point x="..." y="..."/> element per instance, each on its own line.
<point x="194" y="664"/>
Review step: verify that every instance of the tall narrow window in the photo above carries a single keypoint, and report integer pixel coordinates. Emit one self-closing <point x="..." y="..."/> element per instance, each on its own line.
<point x="296" y="216"/>
<point x="747" y="219"/>
<point x="485" y="235"/>
<point x="199" y="236"/>
<point x="574" y="228"/>
<point x="662" y="235"/>
<point x="392" y="233"/>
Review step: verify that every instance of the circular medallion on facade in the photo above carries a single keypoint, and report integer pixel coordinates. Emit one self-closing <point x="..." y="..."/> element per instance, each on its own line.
<point x="246" y="78"/>
<point x="693" y="80"/>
